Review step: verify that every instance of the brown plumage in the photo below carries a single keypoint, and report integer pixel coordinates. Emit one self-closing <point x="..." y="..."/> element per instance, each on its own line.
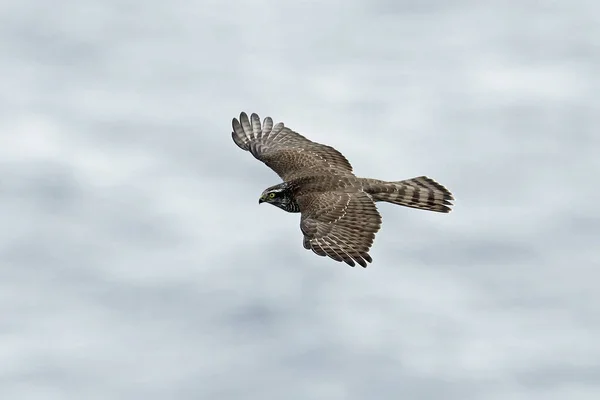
<point x="339" y="218"/>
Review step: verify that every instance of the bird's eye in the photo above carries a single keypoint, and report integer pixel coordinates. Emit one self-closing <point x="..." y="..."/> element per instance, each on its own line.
<point x="271" y="195"/>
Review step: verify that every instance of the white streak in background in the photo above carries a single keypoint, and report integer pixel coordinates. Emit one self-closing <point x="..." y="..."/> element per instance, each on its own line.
<point x="533" y="83"/>
<point x="135" y="262"/>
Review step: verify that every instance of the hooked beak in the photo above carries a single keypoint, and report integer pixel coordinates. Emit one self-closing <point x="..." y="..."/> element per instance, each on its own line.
<point x="261" y="199"/>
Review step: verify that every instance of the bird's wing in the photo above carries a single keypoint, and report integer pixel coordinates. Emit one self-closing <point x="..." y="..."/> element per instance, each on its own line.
<point x="339" y="225"/>
<point x="286" y="152"/>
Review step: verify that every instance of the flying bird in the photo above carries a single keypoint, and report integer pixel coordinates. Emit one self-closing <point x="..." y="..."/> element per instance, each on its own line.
<point x="338" y="216"/>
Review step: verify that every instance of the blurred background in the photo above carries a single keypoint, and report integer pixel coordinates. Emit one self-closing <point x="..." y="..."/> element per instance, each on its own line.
<point x="135" y="262"/>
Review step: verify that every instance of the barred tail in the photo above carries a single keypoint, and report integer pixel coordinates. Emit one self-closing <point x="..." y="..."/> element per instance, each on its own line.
<point x="422" y="192"/>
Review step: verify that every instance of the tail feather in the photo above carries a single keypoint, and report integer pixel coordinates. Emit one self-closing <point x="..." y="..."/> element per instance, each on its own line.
<point x="422" y="192"/>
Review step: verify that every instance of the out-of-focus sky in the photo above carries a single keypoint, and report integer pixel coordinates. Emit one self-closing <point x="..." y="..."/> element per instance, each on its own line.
<point x="135" y="262"/>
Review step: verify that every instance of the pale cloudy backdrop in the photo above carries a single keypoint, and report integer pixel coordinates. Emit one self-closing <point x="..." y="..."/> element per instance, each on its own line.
<point x="135" y="262"/>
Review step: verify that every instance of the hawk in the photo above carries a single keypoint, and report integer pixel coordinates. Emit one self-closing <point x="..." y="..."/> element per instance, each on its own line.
<point x="338" y="216"/>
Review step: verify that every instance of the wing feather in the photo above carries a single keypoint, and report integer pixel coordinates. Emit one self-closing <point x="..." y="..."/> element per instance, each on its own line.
<point x="288" y="153"/>
<point x="339" y="225"/>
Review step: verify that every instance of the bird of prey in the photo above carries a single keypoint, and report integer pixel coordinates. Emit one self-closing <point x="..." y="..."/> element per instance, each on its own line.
<point x="337" y="209"/>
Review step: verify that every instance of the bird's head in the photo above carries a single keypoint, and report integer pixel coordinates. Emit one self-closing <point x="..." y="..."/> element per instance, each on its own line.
<point x="280" y="197"/>
<point x="271" y="195"/>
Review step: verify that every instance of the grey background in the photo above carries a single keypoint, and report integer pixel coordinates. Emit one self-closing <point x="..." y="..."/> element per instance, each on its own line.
<point x="135" y="262"/>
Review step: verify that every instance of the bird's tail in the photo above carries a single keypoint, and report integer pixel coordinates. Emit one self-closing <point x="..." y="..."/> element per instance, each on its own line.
<point x="422" y="192"/>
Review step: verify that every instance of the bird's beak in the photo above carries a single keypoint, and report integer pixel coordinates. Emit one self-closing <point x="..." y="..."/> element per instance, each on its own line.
<point x="261" y="199"/>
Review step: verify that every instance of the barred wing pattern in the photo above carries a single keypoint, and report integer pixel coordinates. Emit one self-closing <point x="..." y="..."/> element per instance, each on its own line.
<point x="339" y="225"/>
<point x="286" y="152"/>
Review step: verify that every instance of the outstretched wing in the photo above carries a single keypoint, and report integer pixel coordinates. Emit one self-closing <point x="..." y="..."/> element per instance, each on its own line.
<point x="339" y="225"/>
<point x="286" y="152"/>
